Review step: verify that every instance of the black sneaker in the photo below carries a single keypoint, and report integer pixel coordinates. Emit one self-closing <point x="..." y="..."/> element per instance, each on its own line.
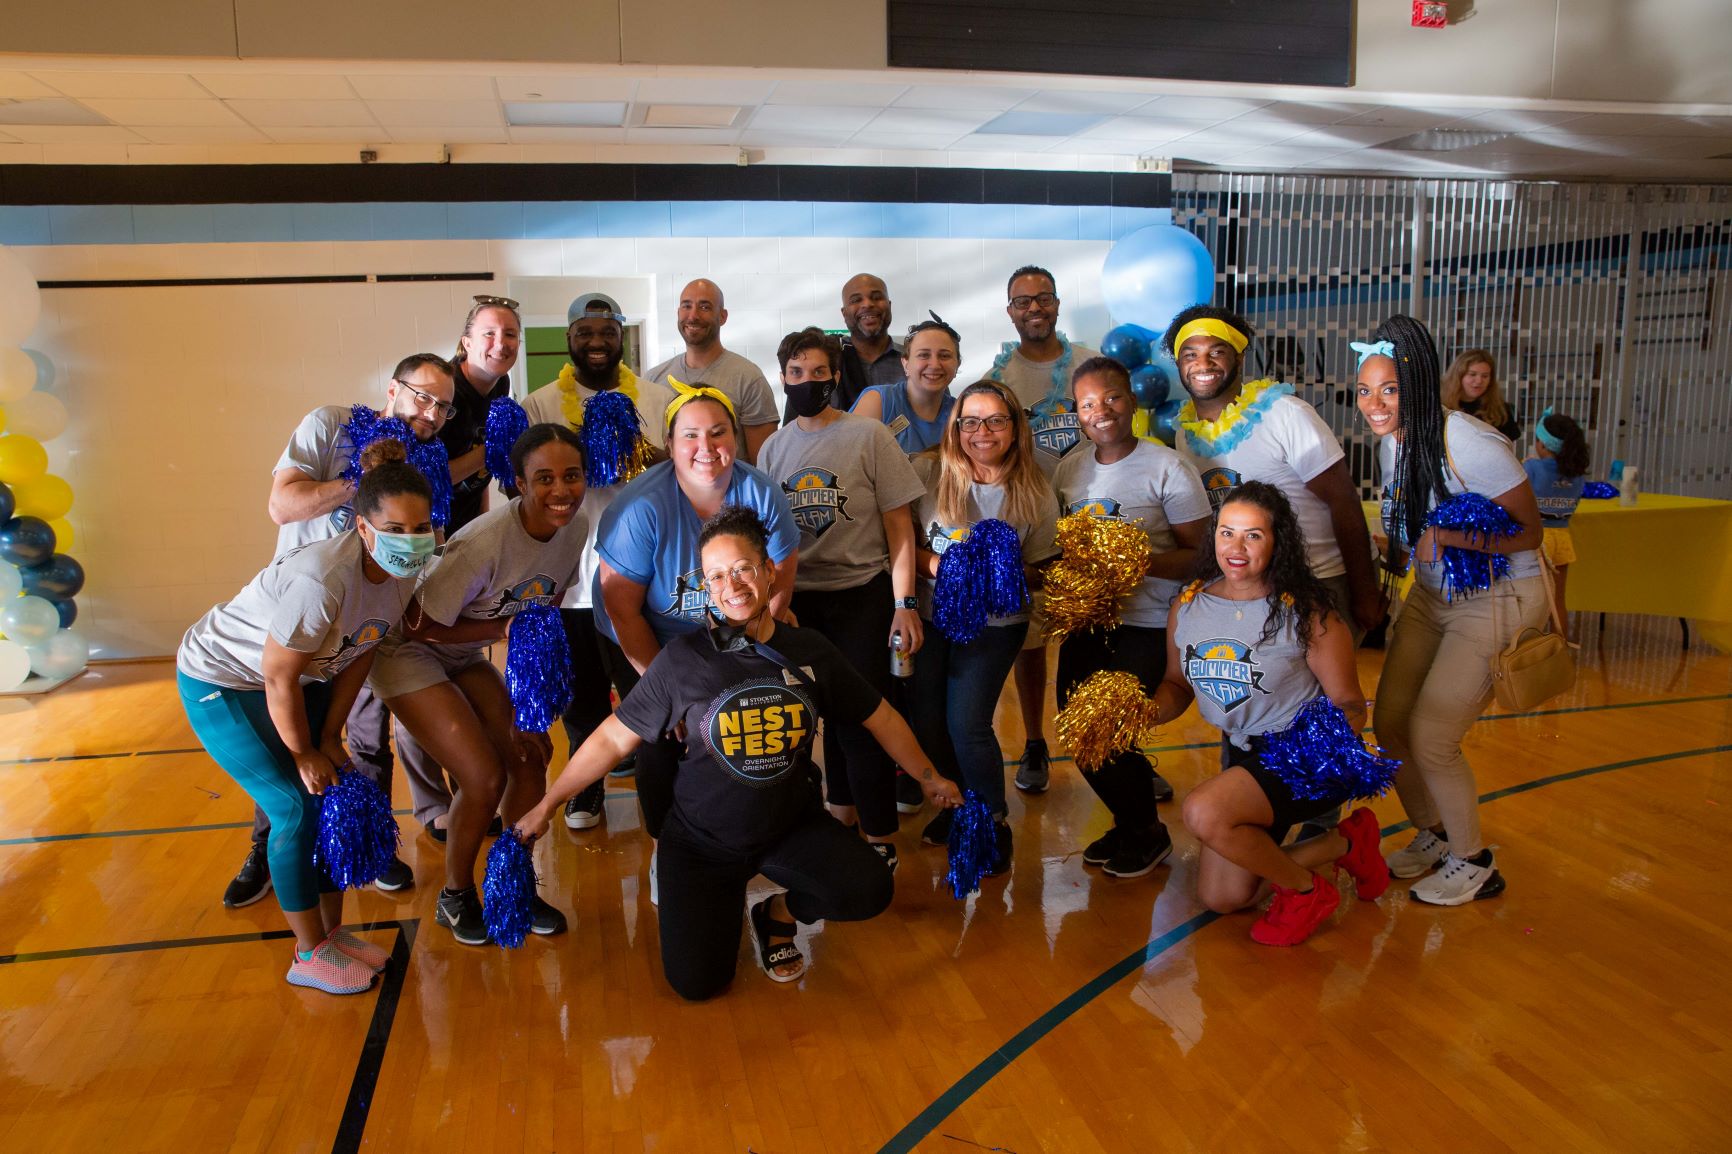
<point x="1000" y="863"/>
<point x="886" y="851"/>
<point x="544" y="919"/>
<point x="626" y="768"/>
<point x="584" y="810"/>
<point x="937" y="831"/>
<point x="909" y="798"/>
<point x="397" y="876"/>
<point x="437" y="833"/>
<point x="496" y="826"/>
<point x="252" y="883"/>
<point x="1100" y="850"/>
<point x="1139" y="853"/>
<point x="1163" y="787"/>
<point x="1034" y="771"/>
<point x="460" y="912"/>
<point x="1318" y="826"/>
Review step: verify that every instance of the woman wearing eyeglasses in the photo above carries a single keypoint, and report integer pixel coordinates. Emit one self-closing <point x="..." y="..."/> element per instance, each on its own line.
<point x="748" y="691"/>
<point x="985" y="469"/>
<point x="486" y="353"/>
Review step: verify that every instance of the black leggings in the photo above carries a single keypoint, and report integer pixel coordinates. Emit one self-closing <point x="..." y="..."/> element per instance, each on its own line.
<point x="1126" y="783"/>
<point x="828" y="871"/>
<point x="590" y="683"/>
<point x="857" y="771"/>
<point x="657" y="761"/>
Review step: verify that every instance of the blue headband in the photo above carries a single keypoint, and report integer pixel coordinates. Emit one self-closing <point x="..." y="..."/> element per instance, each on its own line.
<point x="1375" y="349"/>
<point x="1545" y="436"/>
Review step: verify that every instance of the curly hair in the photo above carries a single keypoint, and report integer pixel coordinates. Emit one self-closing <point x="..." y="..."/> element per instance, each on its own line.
<point x="1573" y="457"/>
<point x="936" y="324"/>
<point x="736" y="521"/>
<point x="809" y="338"/>
<point x="386" y="472"/>
<point x="1293" y="589"/>
<point x="1205" y="312"/>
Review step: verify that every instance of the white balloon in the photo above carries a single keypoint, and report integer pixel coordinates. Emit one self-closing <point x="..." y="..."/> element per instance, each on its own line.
<point x="11" y="582"/>
<point x="39" y="415"/>
<point x="29" y="620"/>
<point x="14" y="665"/>
<point x="20" y="299"/>
<point x="17" y="374"/>
<point x="60" y="656"/>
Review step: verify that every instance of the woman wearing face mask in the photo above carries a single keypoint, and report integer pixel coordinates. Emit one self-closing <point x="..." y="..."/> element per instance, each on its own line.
<point x="486" y="353"/>
<point x="267" y="679"/>
<point x="917" y="410"/>
<point x="985" y="469"/>
<point x="748" y="691"/>
<point x="650" y="582"/>
<point x="436" y="677"/>
<point x="850" y="487"/>
<point x="1471" y="386"/>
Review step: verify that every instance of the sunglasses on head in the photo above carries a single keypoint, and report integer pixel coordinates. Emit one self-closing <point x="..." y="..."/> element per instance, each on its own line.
<point x="496" y="302"/>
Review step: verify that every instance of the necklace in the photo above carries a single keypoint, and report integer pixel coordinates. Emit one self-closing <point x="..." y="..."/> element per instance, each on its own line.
<point x="1236" y="422"/>
<point x="1054" y="401"/>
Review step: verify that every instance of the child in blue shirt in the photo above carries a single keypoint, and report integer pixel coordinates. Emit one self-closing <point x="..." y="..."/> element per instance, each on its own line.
<point x="1558" y="471"/>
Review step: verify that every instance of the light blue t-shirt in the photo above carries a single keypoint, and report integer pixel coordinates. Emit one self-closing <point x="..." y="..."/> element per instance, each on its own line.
<point x="1557" y="497"/>
<point x="911" y="431"/>
<point x="650" y="535"/>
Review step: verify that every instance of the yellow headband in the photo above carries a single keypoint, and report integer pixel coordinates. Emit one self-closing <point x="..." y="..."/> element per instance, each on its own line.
<point x="1210" y="327"/>
<point x="685" y="394"/>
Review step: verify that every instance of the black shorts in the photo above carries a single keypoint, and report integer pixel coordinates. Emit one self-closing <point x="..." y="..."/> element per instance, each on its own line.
<point x="1289" y="811"/>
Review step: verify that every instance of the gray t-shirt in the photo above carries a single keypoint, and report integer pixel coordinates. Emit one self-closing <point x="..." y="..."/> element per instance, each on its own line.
<point x="320" y="448"/>
<point x="985" y="502"/>
<point x="741" y="380"/>
<point x="1151" y="484"/>
<point x="1480" y="460"/>
<point x="314" y="599"/>
<point x="840" y="480"/>
<point x="1245" y="686"/>
<point x="1055" y="429"/>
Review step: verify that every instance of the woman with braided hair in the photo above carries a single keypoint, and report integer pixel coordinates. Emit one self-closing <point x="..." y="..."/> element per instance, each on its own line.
<point x="1437" y="674"/>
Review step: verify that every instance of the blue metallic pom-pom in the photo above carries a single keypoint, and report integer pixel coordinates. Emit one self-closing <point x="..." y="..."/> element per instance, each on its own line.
<point x="611" y="435"/>
<point x="1468" y="571"/>
<point x="434" y="463"/>
<point x="1321" y="758"/>
<point x="972" y="844"/>
<point x="507" y="890"/>
<point x="358" y="835"/>
<point x="506" y="421"/>
<point x="429" y="458"/>
<point x="979" y="577"/>
<point x="538" y="668"/>
<point x="1599" y="491"/>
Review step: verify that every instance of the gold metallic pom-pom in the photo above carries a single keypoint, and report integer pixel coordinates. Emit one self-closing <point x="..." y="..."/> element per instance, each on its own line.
<point x="1103" y="563"/>
<point x="1108" y="715"/>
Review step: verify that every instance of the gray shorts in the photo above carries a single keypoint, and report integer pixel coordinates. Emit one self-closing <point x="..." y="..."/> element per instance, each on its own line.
<point x="407" y="666"/>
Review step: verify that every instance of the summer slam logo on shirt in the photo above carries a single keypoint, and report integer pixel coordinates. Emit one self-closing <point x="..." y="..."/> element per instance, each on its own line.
<point x="1218" y="483"/>
<point x="941" y="537"/>
<point x="691" y="598"/>
<point x="1224" y="671"/>
<point x="1100" y="508"/>
<point x="537" y="590"/>
<point x="756" y="731"/>
<point x="1055" y="434"/>
<point x="816" y="500"/>
<point x="369" y="634"/>
<point x="342" y="519"/>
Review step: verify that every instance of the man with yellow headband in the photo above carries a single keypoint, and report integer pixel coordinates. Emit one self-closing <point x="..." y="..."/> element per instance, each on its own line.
<point x="1232" y="431"/>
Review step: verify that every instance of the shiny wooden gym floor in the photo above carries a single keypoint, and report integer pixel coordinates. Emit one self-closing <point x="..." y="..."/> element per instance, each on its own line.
<point x="1060" y="1011"/>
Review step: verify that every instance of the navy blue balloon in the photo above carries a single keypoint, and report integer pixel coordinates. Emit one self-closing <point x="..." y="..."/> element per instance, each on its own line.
<point x="68" y="610"/>
<point x="26" y="541"/>
<point x="57" y="578"/>
<point x="1127" y="345"/>
<point x="8" y="503"/>
<point x="1150" y="385"/>
<point x="1163" y="425"/>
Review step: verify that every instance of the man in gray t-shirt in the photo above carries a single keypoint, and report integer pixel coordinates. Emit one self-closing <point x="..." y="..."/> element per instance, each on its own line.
<point x="705" y="362"/>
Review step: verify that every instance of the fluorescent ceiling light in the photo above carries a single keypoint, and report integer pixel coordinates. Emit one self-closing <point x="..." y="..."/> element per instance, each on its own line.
<point x="1039" y="123"/>
<point x="565" y="114"/>
<point x="691" y="115"/>
<point x="55" y="112"/>
<point x="1444" y="140"/>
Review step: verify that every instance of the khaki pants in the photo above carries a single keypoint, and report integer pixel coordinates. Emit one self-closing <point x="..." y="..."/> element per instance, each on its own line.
<point x="1436" y="682"/>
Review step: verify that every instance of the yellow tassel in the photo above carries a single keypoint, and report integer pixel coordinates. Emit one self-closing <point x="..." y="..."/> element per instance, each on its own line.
<point x="1103" y="563"/>
<point x="1108" y="715"/>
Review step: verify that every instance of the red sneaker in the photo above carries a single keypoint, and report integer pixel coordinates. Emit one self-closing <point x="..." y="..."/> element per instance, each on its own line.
<point x="1295" y="915"/>
<point x="1363" y="861"/>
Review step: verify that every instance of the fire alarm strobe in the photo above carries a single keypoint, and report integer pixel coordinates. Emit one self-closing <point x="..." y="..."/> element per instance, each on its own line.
<point x="1430" y="13"/>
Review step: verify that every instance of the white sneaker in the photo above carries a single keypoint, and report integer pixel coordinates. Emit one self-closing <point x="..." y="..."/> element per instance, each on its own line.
<point x="655" y="891"/>
<point x="1458" y="882"/>
<point x="1419" y="856"/>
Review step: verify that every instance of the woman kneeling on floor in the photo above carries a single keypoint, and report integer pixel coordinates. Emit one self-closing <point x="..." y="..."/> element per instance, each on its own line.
<point x="748" y="692"/>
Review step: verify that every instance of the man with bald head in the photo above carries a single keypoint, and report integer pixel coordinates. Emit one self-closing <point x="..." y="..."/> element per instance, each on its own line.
<point x="870" y="355"/>
<point x="701" y="316"/>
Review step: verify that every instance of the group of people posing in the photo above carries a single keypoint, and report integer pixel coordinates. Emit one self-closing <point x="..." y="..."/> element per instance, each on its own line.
<point x="741" y="584"/>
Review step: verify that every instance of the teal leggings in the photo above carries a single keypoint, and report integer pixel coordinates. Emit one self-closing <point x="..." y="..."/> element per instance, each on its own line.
<point x="235" y="727"/>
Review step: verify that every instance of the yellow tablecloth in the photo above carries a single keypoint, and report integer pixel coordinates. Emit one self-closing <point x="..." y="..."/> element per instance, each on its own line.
<point x="1668" y="556"/>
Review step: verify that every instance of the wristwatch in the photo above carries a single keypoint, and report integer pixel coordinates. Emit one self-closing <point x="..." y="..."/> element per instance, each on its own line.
<point x="906" y="603"/>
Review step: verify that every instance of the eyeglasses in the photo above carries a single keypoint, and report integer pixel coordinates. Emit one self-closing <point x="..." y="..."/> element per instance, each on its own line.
<point x="742" y="574"/>
<point x="427" y="401"/>
<point x="998" y="422"/>
<point x="1044" y="300"/>
<point x="493" y="302"/>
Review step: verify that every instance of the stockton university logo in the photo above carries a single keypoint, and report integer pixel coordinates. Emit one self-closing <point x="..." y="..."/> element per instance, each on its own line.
<point x="369" y="634"/>
<point x="1100" y="508"/>
<point x="758" y="731"/>
<point x="816" y="500"/>
<point x="537" y="590"/>
<point x="1055" y="434"/>
<point x="1224" y="671"/>
<point x="690" y="598"/>
<point x="1218" y="483"/>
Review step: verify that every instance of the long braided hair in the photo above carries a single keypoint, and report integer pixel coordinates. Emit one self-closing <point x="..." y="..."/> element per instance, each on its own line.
<point x="1420" y="455"/>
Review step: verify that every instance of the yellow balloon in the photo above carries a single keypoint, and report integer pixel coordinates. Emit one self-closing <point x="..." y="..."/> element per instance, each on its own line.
<point x="62" y="534"/>
<point x="22" y="459"/>
<point x="46" y="497"/>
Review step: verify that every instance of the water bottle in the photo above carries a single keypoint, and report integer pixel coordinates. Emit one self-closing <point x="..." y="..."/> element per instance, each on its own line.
<point x="901" y="661"/>
<point x="1630" y="488"/>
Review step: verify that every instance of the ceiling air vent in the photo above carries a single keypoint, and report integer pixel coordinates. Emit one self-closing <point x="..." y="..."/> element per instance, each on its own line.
<point x="1444" y="140"/>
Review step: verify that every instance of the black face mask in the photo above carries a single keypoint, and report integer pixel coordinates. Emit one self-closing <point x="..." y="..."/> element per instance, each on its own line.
<point x="808" y="398"/>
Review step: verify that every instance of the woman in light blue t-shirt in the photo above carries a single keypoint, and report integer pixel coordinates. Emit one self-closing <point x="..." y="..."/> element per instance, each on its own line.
<point x="917" y="409"/>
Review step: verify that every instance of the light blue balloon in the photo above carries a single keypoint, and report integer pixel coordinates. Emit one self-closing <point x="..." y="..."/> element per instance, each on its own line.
<point x="44" y="369"/>
<point x="11" y="583"/>
<point x="1153" y="273"/>
<point x="29" y="620"/>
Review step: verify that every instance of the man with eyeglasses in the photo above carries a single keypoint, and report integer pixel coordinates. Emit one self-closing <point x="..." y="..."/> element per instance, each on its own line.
<point x="1037" y="368"/>
<point x="702" y="313"/>
<point x="311" y="500"/>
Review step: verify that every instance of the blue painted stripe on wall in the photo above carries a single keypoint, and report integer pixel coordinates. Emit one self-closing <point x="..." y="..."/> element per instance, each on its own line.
<point x="516" y="220"/>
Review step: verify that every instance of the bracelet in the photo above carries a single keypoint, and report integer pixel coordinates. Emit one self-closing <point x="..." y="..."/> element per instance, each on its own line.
<point x="906" y="603"/>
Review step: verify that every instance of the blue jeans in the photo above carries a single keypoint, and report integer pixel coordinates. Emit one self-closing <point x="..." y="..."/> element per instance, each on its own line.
<point x="955" y="689"/>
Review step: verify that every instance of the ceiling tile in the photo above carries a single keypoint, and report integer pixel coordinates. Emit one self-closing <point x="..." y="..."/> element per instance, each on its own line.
<point x="576" y="89"/>
<point x="437" y="113"/>
<point x="1049" y="124"/>
<point x="1200" y="107"/>
<point x="18" y="86"/>
<point x="696" y="90"/>
<point x="1119" y="147"/>
<point x="1347" y="135"/>
<point x="958" y="96"/>
<point x="1252" y="133"/>
<point x="53" y="111"/>
<point x="326" y="134"/>
<point x="549" y="134"/>
<point x="681" y="135"/>
<point x="1001" y="142"/>
<point x="424" y="86"/>
<point x="1404" y="117"/>
<point x="1296" y="111"/>
<point x="124" y="85"/>
<point x="4" y="139"/>
<point x="794" y="138"/>
<point x="164" y="112"/>
<point x="73" y="134"/>
<point x="566" y="113"/>
<point x="919" y="141"/>
<point x="204" y="134"/>
<point x="310" y="113"/>
<point x="849" y="95"/>
<point x="449" y="135"/>
<point x="1144" y="128"/>
<point x="1083" y="101"/>
<point x="1280" y="156"/>
<point x="928" y="121"/>
<point x="275" y="86"/>
<point x="814" y="118"/>
<point x="1515" y="120"/>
